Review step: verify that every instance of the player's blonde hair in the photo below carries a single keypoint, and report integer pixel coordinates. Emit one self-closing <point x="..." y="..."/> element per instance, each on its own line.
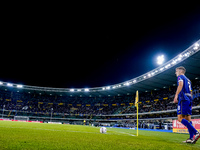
<point x="182" y="69"/>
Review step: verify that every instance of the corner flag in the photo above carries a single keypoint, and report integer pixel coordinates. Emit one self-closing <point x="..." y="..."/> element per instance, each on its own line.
<point x="136" y="104"/>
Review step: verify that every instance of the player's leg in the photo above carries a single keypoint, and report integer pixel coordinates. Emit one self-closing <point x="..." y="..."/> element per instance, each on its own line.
<point x="185" y="110"/>
<point x="182" y="113"/>
<point x="180" y="118"/>
<point x="186" y="123"/>
<point x="196" y="134"/>
<point x="188" y="118"/>
<point x="189" y="111"/>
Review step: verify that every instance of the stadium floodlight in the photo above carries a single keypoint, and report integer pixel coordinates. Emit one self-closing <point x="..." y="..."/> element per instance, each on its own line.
<point x="114" y="87"/>
<point x="1" y="83"/>
<point x="108" y="87"/>
<point x="161" y="68"/>
<point x="87" y="90"/>
<point x="174" y="62"/>
<point x="103" y="88"/>
<point x="187" y="54"/>
<point x="71" y="90"/>
<point x="160" y="59"/>
<point x="196" y="46"/>
<point x="79" y="90"/>
<point x="9" y="84"/>
<point x="167" y="65"/>
<point x="19" y="86"/>
<point x="180" y="57"/>
<point x="127" y="83"/>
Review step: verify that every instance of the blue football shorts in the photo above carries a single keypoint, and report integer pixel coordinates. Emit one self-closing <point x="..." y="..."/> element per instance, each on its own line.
<point x="184" y="108"/>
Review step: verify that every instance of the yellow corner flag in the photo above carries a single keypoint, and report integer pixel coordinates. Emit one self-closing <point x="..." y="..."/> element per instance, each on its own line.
<point x="136" y="104"/>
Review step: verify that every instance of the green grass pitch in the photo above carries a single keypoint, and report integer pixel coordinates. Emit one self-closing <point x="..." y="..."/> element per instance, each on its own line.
<point x="36" y="136"/>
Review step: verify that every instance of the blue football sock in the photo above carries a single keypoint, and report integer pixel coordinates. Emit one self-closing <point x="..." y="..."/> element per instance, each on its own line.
<point x="191" y="129"/>
<point x="191" y="134"/>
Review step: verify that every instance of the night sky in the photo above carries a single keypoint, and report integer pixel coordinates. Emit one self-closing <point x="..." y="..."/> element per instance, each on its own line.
<point x="92" y="47"/>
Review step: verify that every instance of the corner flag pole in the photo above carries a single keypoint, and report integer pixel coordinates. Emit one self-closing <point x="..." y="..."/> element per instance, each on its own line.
<point x="136" y="104"/>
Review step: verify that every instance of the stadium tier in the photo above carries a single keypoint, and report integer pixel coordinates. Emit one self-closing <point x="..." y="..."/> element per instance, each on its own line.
<point x="13" y="100"/>
<point x="105" y="104"/>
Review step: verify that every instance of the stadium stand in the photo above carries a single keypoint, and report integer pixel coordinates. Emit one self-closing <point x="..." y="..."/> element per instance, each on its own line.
<point x="113" y="104"/>
<point x="42" y="103"/>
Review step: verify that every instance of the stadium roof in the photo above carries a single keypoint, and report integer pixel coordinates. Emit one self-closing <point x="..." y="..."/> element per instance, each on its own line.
<point x="159" y="78"/>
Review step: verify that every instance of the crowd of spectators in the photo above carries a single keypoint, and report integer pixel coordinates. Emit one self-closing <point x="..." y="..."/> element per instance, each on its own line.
<point x="46" y="103"/>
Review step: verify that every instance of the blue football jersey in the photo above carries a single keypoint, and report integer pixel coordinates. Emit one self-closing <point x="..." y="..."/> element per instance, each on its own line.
<point x="185" y="93"/>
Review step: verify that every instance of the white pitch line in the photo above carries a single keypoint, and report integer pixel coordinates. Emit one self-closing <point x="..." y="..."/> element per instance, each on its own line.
<point x="116" y="132"/>
<point x="125" y="133"/>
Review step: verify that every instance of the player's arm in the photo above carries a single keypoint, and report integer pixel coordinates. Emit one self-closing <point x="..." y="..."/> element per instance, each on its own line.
<point x="179" y="88"/>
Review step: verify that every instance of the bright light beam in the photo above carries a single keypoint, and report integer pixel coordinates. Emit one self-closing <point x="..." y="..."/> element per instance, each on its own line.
<point x="160" y="59"/>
